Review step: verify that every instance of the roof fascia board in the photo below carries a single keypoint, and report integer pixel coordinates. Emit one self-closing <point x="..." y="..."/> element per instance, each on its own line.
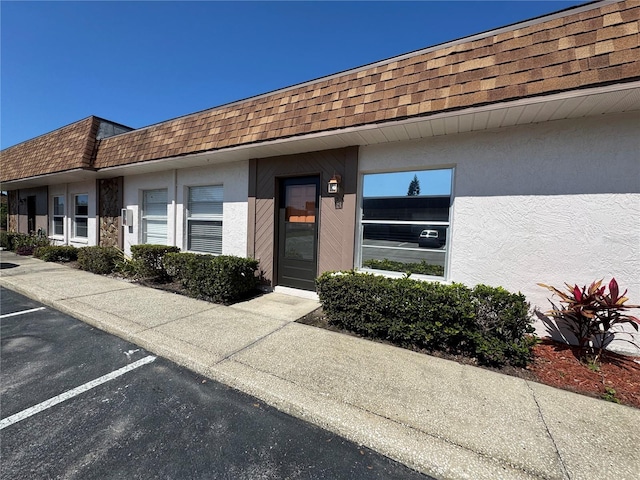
<point x="509" y="104"/>
<point x="16" y="182"/>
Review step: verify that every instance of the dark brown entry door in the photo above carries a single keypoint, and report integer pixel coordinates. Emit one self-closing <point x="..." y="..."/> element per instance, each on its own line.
<point x="298" y="232"/>
<point x="31" y="214"/>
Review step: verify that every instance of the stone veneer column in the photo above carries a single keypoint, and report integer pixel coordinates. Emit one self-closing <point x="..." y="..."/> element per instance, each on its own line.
<point x="109" y="206"/>
<point x="12" y="221"/>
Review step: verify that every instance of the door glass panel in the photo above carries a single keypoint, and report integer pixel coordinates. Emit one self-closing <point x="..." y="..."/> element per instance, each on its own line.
<point x="300" y="218"/>
<point x="298" y="244"/>
<point x="301" y="203"/>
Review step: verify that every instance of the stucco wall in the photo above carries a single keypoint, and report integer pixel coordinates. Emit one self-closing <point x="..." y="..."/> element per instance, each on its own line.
<point x="233" y="177"/>
<point x="553" y="203"/>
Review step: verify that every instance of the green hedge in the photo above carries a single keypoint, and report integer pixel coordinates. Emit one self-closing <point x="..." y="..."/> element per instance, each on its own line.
<point x="22" y="243"/>
<point x="147" y="260"/>
<point x="486" y="323"/>
<point x="220" y="279"/>
<point x="6" y="240"/>
<point x="56" y="253"/>
<point x="101" y="260"/>
<point x="177" y="265"/>
<point x="4" y="215"/>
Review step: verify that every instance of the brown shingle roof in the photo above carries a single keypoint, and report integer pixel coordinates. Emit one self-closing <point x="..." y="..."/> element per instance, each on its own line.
<point x="67" y="148"/>
<point x="578" y="50"/>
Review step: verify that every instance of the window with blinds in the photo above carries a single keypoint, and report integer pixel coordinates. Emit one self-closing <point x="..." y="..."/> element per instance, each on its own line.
<point x="204" y="219"/>
<point x="154" y="216"/>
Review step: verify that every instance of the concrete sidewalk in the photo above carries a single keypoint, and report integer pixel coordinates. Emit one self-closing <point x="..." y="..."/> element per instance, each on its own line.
<point x="441" y="418"/>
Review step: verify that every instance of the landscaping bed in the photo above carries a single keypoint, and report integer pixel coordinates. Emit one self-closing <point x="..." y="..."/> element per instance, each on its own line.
<point x="616" y="378"/>
<point x="554" y="364"/>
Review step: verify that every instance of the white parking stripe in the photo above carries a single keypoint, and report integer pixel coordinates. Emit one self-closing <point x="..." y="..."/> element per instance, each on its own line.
<point x="22" y="312"/>
<point x="5" y="422"/>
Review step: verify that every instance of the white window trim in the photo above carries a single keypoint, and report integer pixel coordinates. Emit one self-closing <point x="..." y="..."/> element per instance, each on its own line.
<point x="209" y="218"/>
<point x="446" y="279"/>
<point x="74" y="236"/>
<point x="54" y="235"/>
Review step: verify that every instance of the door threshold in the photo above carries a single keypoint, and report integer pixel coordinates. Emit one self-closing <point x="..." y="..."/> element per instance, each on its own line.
<point x="296" y="292"/>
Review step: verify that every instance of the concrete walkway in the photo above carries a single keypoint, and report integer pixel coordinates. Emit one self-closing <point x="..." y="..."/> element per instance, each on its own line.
<point x="441" y="418"/>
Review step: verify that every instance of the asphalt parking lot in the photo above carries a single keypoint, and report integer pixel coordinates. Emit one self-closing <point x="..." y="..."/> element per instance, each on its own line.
<point x="79" y="403"/>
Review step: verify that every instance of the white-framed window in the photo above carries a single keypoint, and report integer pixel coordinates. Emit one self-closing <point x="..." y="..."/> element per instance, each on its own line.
<point x="57" y="219"/>
<point x="81" y="215"/>
<point x="204" y="219"/>
<point x="154" y="216"/>
<point x="405" y="222"/>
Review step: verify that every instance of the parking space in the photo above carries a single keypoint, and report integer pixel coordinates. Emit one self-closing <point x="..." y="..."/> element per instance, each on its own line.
<point x="154" y="421"/>
<point x="46" y="353"/>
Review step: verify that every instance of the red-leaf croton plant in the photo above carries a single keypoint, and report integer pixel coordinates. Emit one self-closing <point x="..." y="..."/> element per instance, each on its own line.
<point x="590" y="313"/>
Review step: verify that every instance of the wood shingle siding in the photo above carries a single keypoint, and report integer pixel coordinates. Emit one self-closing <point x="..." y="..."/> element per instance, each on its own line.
<point x="64" y="149"/>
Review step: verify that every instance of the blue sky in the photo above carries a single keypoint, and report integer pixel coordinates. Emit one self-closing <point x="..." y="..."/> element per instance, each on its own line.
<point x="139" y="63"/>
<point x="396" y="184"/>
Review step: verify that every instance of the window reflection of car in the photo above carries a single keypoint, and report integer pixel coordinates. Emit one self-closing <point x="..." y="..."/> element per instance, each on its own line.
<point x="430" y="238"/>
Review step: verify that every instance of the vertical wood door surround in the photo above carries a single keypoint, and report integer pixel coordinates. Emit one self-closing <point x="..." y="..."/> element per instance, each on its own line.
<point x="336" y="219"/>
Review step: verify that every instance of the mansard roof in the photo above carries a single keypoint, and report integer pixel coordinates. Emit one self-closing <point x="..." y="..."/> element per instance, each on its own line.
<point x="66" y="148"/>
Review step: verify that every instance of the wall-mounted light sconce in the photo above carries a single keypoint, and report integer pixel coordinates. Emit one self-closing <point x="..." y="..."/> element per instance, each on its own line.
<point x="333" y="187"/>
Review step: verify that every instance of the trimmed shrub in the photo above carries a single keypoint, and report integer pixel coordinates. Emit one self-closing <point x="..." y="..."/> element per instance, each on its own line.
<point x="56" y="253"/>
<point x="5" y="240"/>
<point x="24" y="244"/>
<point x="177" y="264"/>
<point x="101" y="260"/>
<point x="486" y="323"/>
<point x="4" y="215"/>
<point x="147" y="260"/>
<point x="25" y="250"/>
<point x="220" y="279"/>
<point x="505" y="326"/>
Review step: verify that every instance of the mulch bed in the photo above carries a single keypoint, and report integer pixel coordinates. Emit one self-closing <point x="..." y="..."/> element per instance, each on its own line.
<point x="558" y="365"/>
<point x="555" y="364"/>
